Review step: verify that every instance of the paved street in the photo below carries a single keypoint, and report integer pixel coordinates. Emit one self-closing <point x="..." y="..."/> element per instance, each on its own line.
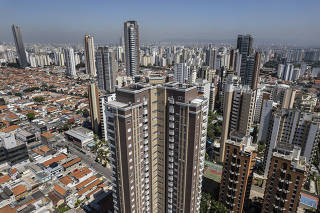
<point x="88" y="158"/>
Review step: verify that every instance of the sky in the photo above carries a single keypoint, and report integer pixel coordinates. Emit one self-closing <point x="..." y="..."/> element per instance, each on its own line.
<point x="295" y="22"/>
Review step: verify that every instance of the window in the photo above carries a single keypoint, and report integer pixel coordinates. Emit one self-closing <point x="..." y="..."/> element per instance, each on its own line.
<point x="179" y="97"/>
<point x="130" y="153"/>
<point x="128" y="121"/>
<point x="129" y="130"/>
<point x="138" y="100"/>
<point x="129" y="138"/>
<point x="130" y="145"/>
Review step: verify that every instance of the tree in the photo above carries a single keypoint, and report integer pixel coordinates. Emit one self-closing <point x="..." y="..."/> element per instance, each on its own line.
<point x="255" y="134"/>
<point x="31" y="116"/>
<point x="85" y="113"/>
<point x="18" y="94"/>
<point x="217" y="207"/>
<point x="80" y="65"/>
<point x="38" y="99"/>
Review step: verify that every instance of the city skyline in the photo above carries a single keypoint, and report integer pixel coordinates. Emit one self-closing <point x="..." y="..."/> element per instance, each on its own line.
<point x="278" y="22"/>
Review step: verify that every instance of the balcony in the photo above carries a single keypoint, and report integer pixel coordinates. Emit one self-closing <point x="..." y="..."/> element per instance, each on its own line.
<point x="145" y="142"/>
<point x="171" y="118"/>
<point x="145" y="127"/>
<point x="171" y="109"/>
<point x="171" y="153"/>
<point x="171" y="146"/>
<point x="171" y="132"/>
<point x="171" y="139"/>
<point x="145" y="103"/>
<point x="171" y="125"/>
<point x="145" y="112"/>
<point x="170" y="159"/>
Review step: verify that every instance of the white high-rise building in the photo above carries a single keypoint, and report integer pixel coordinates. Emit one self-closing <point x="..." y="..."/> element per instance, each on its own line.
<point x="90" y="57"/>
<point x="181" y="74"/>
<point x="70" y="62"/>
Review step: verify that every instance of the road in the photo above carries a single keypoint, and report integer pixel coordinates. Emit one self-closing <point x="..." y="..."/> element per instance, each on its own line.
<point x="88" y="158"/>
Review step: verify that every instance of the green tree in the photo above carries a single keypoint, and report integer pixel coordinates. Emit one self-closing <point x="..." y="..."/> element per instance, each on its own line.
<point x="38" y="99"/>
<point x="18" y="94"/>
<point x="85" y="113"/>
<point x="31" y="116"/>
<point x="254" y="134"/>
<point x="217" y="207"/>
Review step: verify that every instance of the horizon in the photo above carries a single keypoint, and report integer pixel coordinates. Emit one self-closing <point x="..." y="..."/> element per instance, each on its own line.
<point x="279" y="23"/>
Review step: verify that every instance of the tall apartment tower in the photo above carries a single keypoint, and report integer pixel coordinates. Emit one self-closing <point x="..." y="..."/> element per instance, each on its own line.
<point x="250" y="70"/>
<point x="132" y="47"/>
<point x="250" y="61"/>
<point x="106" y="69"/>
<point x="21" y="52"/>
<point x="286" y="176"/>
<point x="181" y="73"/>
<point x="242" y="111"/>
<point x="70" y="63"/>
<point x="157" y="136"/>
<point x="211" y="57"/>
<point x="228" y="94"/>
<point x="90" y="57"/>
<point x="293" y="127"/>
<point x="244" y="45"/>
<point x="94" y="106"/>
<point x="237" y="174"/>
<point x="238" y="114"/>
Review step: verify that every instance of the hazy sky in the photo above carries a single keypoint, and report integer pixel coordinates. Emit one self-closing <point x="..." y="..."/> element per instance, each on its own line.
<point x="66" y="21"/>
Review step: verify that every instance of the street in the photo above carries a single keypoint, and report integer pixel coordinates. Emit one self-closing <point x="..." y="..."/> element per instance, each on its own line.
<point x="89" y="159"/>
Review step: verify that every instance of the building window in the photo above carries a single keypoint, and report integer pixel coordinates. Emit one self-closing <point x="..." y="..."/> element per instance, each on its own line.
<point x="138" y="100"/>
<point x="129" y="130"/>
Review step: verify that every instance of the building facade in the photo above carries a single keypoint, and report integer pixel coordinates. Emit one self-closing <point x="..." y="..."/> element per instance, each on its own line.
<point x="107" y="69"/>
<point x="286" y="176"/>
<point x="237" y="174"/>
<point x="70" y="63"/>
<point x="21" y="52"/>
<point x="132" y="47"/>
<point x="90" y="55"/>
<point x="157" y="137"/>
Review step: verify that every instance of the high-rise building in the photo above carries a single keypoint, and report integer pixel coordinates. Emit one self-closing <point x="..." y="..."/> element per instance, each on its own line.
<point x="250" y="61"/>
<point x="228" y="93"/>
<point x="238" y="114"/>
<point x="132" y="47"/>
<point x="21" y="52"/>
<point x="244" y="45"/>
<point x="250" y="70"/>
<point x="90" y="57"/>
<point x="94" y="106"/>
<point x="106" y="69"/>
<point x="181" y="72"/>
<point x="242" y="111"/>
<point x="284" y="95"/>
<point x="291" y="126"/>
<point x="286" y="176"/>
<point x="266" y="113"/>
<point x="211" y="58"/>
<point x="70" y="63"/>
<point x="237" y="174"/>
<point x="157" y="136"/>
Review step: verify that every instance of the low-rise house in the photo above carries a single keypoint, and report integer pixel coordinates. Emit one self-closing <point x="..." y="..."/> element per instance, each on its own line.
<point x="19" y="191"/>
